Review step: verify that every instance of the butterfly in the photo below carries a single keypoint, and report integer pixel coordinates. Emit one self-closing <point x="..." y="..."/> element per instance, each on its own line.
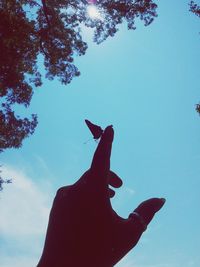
<point x="96" y="130"/>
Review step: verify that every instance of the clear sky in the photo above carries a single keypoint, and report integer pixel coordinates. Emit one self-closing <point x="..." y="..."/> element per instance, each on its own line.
<point x="145" y="83"/>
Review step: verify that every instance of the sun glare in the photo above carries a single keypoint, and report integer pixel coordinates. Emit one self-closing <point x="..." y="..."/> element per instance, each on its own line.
<point x="94" y="13"/>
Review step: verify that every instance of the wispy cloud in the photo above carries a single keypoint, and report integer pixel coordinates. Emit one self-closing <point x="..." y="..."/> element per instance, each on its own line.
<point x="123" y="197"/>
<point x="130" y="191"/>
<point x="131" y="263"/>
<point x="24" y="207"/>
<point x="17" y="262"/>
<point x="24" y="211"/>
<point x="42" y="164"/>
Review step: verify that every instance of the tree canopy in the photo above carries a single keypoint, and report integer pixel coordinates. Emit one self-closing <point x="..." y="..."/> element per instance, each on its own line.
<point x="29" y="28"/>
<point x="51" y="30"/>
<point x="195" y="8"/>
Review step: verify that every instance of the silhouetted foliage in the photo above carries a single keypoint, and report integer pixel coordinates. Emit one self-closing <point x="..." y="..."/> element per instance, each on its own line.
<point x="198" y="108"/>
<point x="195" y="8"/>
<point x="4" y="181"/>
<point x="52" y="29"/>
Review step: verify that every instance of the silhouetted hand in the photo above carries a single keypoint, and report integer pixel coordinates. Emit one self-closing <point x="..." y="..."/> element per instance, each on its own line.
<point x="84" y="230"/>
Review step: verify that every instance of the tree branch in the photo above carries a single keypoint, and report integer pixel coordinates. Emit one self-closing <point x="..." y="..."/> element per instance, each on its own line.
<point x="45" y="10"/>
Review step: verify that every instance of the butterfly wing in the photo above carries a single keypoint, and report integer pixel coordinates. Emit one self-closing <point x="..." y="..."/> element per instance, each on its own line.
<point x="95" y="129"/>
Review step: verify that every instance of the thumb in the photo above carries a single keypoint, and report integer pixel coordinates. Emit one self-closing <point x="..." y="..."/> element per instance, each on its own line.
<point x="127" y="232"/>
<point x="147" y="209"/>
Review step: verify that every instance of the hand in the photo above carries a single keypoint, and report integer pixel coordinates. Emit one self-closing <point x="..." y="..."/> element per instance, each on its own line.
<point x="84" y="230"/>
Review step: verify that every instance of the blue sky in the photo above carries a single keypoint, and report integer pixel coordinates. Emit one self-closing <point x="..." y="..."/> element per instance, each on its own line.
<point x="145" y="83"/>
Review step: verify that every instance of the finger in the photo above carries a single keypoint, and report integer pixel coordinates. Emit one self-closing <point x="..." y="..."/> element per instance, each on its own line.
<point x="111" y="192"/>
<point x="127" y="232"/>
<point x="148" y="208"/>
<point x="114" y="180"/>
<point x="101" y="161"/>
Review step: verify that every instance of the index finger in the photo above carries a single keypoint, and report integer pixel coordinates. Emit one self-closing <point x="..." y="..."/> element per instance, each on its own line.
<point x="101" y="161"/>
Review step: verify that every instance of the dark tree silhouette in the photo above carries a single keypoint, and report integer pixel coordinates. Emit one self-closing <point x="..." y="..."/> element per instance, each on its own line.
<point x="4" y="181"/>
<point x="30" y="28"/>
<point x="51" y="29"/>
<point x="195" y="8"/>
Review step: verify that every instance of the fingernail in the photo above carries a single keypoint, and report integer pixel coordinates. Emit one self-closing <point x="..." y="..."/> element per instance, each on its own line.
<point x="163" y="200"/>
<point x="109" y="133"/>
